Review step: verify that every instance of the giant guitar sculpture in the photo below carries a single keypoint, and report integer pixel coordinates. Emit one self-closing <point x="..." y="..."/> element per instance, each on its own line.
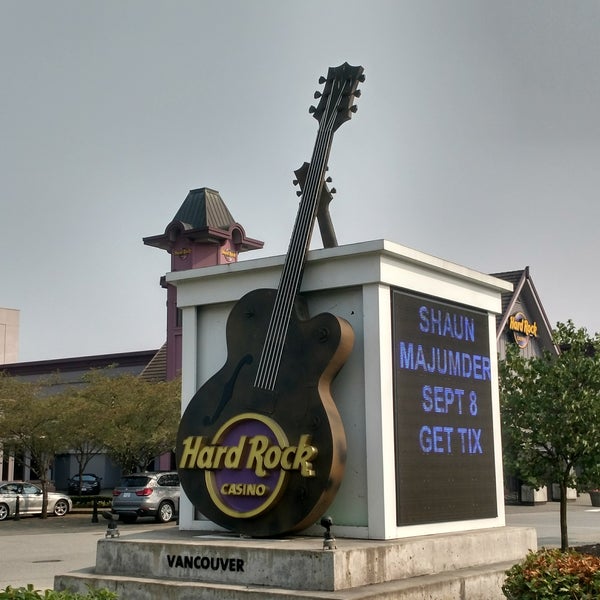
<point x="261" y="446"/>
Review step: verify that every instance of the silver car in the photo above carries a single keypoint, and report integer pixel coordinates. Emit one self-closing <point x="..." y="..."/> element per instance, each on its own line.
<point x="147" y="495"/>
<point x="30" y="500"/>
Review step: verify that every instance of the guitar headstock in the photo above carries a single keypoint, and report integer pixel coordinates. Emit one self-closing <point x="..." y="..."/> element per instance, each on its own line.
<point x="336" y="103"/>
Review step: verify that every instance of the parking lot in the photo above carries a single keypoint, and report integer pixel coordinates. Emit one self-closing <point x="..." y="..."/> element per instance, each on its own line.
<point x="33" y="550"/>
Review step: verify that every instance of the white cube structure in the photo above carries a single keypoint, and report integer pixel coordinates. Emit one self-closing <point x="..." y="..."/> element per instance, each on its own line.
<point x="418" y="396"/>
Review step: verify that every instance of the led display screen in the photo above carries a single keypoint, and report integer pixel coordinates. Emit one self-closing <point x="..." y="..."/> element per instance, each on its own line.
<point x="444" y="447"/>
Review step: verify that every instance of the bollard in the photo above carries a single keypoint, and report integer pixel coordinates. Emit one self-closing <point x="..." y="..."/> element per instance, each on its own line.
<point x="112" y="529"/>
<point x="328" y="539"/>
<point x="95" y="510"/>
<point x="17" y="508"/>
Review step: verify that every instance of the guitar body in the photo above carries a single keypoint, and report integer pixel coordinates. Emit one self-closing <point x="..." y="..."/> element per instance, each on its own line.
<point x="261" y="447"/>
<point x="252" y="487"/>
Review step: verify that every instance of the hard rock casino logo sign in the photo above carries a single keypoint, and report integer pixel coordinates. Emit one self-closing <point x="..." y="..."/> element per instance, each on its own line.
<point x="247" y="463"/>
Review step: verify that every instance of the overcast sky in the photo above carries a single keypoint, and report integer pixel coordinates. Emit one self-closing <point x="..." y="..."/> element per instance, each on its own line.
<point x="477" y="140"/>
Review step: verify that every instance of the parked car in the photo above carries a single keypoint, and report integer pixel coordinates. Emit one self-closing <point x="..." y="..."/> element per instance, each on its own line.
<point x="90" y="484"/>
<point x="30" y="500"/>
<point x="147" y="495"/>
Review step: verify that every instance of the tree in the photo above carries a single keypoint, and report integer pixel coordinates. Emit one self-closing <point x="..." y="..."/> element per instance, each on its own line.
<point x="30" y="425"/>
<point x="140" y="417"/>
<point x="85" y="429"/>
<point x="130" y="418"/>
<point x="550" y="407"/>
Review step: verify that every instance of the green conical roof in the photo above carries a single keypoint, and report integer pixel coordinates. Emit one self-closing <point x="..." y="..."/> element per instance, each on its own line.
<point x="204" y="208"/>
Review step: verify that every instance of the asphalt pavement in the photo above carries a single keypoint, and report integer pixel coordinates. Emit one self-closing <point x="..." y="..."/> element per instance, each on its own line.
<point x="583" y="521"/>
<point x="34" y="550"/>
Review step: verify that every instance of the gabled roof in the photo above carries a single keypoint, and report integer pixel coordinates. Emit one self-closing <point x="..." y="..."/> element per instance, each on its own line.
<point x="150" y="365"/>
<point x="525" y="291"/>
<point x="69" y="373"/>
<point x="517" y="280"/>
<point x="156" y="369"/>
<point x="130" y="361"/>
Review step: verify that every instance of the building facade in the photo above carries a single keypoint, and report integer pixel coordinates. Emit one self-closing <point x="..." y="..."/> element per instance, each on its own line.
<point x="69" y="373"/>
<point x="9" y="335"/>
<point x="523" y="322"/>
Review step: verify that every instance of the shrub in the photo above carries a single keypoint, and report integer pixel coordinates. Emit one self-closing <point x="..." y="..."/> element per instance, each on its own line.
<point x="551" y="574"/>
<point x="88" y="501"/>
<point x="29" y="593"/>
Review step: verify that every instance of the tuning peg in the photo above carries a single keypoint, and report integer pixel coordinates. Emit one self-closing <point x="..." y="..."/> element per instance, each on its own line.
<point x="357" y="93"/>
<point x="333" y="191"/>
<point x="312" y="110"/>
<point x="361" y="77"/>
<point x="329" y="180"/>
<point x="322" y="79"/>
<point x="298" y="194"/>
<point x="354" y="108"/>
<point x="317" y="95"/>
<point x="295" y="182"/>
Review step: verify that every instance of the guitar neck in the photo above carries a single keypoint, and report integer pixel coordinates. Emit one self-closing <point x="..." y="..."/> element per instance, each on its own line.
<point x="291" y="276"/>
<point x="333" y="109"/>
<point x="293" y="268"/>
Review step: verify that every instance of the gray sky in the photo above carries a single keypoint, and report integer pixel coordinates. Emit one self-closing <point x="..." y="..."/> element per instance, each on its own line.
<point x="477" y="140"/>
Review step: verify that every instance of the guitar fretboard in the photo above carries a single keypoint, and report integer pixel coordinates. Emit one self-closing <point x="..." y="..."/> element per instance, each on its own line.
<point x="293" y="268"/>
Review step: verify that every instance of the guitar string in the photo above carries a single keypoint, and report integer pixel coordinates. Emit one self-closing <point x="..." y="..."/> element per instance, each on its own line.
<point x="277" y="326"/>
<point x="293" y="268"/>
<point x="282" y="313"/>
<point x="287" y="295"/>
<point x="284" y="301"/>
<point x="274" y="329"/>
<point x="307" y="218"/>
<point x="304" y="219"/>
<point x="305" y="222"/>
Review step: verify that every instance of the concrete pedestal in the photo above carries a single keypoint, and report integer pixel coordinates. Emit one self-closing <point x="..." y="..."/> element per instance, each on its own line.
<point x="380" y="551"/>
<point x="179" y="566"/>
